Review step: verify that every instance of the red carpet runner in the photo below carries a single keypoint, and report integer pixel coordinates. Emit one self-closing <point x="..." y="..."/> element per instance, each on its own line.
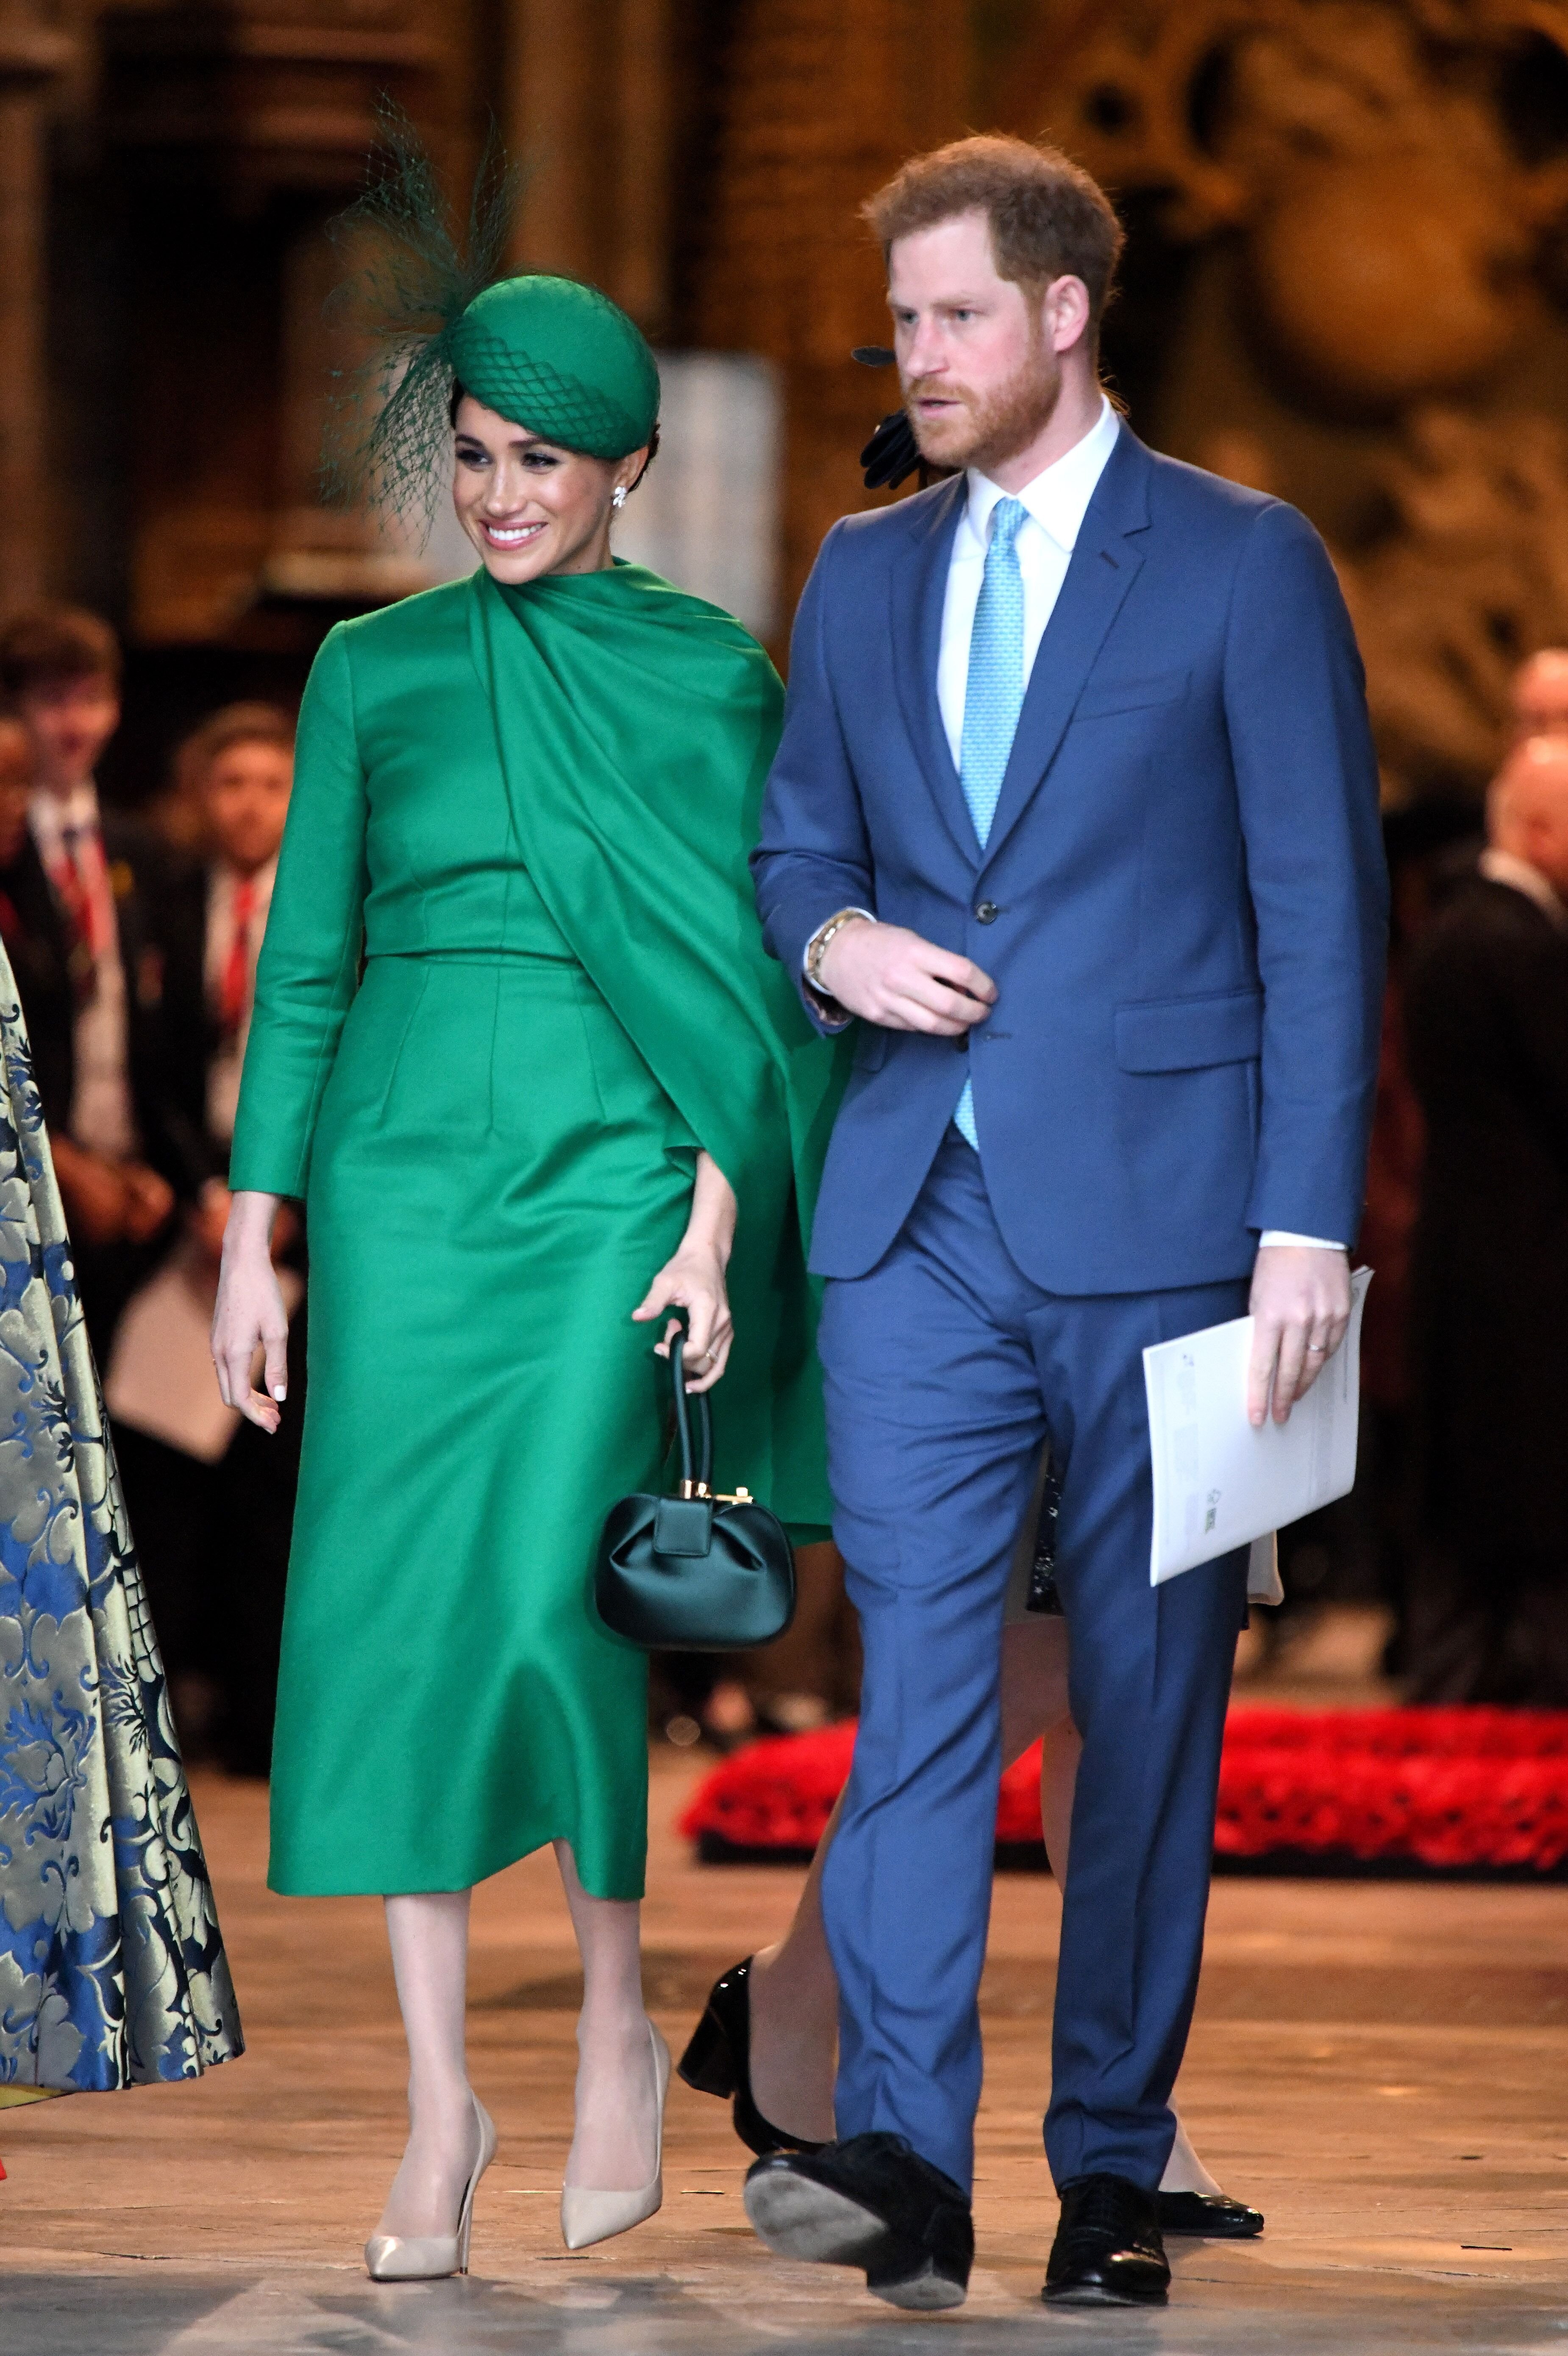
<point x="1461" y="1793"/>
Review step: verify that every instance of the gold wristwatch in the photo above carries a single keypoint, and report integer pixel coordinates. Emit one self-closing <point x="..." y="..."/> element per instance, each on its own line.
<point x="816" y="947"/>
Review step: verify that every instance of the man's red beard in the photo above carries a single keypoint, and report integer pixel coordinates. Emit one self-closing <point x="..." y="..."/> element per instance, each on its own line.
<point x="985" y="430"/>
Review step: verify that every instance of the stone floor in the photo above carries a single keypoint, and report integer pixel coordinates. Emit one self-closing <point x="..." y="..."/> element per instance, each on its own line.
<point x="1384" y="2068"/>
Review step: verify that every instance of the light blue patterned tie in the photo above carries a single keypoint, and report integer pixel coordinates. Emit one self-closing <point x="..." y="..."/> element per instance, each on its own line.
<point x="993" y="700"/>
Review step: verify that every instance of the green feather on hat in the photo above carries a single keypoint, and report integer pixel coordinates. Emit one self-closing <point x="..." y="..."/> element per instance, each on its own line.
<point x="551" y="354"/>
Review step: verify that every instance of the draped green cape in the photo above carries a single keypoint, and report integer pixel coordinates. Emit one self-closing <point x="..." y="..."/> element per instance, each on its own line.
<point x="635" y="725"/>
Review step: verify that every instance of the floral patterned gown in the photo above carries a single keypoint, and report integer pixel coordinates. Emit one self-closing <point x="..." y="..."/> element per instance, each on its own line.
<point x="112" y="1964"/>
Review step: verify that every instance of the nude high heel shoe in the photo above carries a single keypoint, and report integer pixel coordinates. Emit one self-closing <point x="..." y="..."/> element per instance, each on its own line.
<point x="588" y="2216"/>
<point x="425" y="2257"/>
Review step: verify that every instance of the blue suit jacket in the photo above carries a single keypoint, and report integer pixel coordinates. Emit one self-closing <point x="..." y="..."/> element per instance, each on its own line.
<point x="1183" y="901"/>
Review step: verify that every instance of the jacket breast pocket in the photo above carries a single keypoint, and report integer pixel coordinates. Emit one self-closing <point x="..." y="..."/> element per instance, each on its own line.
<point x="1102" y="697"/>
<point x="1186" y="1035"/>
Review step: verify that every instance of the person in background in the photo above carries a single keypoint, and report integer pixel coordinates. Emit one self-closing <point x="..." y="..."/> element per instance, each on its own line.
<point x="96" y="965"/>
<point x="28" y="926"/>
<point x="1540" y="694"/>
<point x="222" y="1633"/>
<point x="1486" y="1031"/>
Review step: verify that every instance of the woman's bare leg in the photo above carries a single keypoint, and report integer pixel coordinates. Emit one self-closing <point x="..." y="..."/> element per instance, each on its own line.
<point x="795" y="2014"/>
<point x="429" y="1935"/>
<point x="616" y="2145"/>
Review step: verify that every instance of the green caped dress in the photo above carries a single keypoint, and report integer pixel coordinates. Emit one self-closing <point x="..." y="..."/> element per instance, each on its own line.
<point x="513" y="979"/>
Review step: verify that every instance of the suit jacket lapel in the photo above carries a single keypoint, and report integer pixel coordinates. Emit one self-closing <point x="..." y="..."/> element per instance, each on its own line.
<point x="919" y="589"/>
<point x="1104" y="565"/>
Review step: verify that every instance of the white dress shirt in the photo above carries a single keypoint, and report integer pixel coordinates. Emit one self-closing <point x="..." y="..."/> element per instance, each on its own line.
<point x="223" y="1072"/>
<point x="1056" y="503"/>
<point x="1507" y="867"/>
<point x="102" y="1116"/>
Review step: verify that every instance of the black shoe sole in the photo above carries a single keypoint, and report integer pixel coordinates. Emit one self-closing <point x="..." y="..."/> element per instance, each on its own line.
<point x="927" y="2292"/>
<point x="1095" y="2295"/>
<point x="1239" y="2224"/>
<point x="798" y="2219"/>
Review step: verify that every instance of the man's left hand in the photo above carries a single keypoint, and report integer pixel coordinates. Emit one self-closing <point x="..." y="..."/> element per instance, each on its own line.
<point x="1301" y="1312"/>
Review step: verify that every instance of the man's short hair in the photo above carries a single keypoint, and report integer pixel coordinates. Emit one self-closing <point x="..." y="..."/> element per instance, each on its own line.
<point x="236" y="723"/>
<point x="47" y="645"/>
<point x="1048" y="218"/>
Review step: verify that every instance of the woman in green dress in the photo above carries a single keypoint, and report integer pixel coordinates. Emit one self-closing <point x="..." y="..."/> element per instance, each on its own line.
<point x="518" y="1045"/>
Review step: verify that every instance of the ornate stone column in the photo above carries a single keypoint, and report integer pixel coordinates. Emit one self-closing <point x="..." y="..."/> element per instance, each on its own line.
<point x="826" y="99"/>
<point x="33" y="53"/>
<point x="587" y="117"/>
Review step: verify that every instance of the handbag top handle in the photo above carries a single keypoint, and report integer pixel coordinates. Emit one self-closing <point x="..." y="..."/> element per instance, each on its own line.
<point x="702" y="1485"/>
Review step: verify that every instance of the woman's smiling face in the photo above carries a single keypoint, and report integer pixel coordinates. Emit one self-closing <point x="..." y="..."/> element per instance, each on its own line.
<point x="529" y="506"/>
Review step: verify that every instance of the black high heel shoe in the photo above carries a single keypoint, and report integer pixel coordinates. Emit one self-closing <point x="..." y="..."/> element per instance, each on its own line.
<point x="718" y="2062"/>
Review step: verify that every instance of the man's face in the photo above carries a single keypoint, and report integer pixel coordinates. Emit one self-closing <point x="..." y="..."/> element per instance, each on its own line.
<point x="69" y="722"/>
<point x="1532" y="822"/>
<point x="245" y="794"/>
<point x="979" y="372"/>
<point x="1541" y="694"/>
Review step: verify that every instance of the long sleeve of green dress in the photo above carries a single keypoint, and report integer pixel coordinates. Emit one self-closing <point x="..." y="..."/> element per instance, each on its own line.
<point x="309" y="963"/>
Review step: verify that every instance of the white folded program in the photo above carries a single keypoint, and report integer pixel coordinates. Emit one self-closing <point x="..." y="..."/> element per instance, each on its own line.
<point x="1220" y="1483"/>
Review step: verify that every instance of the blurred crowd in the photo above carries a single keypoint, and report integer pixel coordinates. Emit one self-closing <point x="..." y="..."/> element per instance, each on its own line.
<point x="133" y="941"/>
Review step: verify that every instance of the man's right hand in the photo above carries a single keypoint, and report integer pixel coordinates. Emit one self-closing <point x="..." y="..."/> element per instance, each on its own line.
<point x="888" y="974"/>
<point x="93" y="1191"/>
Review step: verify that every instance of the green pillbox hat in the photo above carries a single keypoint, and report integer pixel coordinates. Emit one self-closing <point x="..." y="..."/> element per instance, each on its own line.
<point x="560" y="358"/>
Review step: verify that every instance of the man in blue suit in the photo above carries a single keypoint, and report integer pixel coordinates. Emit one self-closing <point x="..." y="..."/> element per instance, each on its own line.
<point x="1076" y="809"/>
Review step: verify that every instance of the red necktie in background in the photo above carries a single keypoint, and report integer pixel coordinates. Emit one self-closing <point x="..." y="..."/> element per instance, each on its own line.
<point x="81" y="884"/>
<point x="236" y="982"/>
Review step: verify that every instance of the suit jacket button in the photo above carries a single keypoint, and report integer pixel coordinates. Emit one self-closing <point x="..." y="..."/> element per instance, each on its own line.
<point x="961" y="1042"/>
<point x="988" y="912"/>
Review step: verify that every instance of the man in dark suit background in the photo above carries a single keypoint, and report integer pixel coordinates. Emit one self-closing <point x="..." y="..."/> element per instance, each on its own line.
<point x="214" y="1532"/>
<point x="92" y="966"/>
<point x="1076" y="809"/>
<point x="1487" y="1027"/>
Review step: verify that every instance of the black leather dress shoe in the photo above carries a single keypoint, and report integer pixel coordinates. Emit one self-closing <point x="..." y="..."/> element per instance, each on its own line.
<point x="871" y="2202"/>
<point x="1108" y="2251"/>
<point x="718" y="2062"/>
<point x="1213" y="2215"/>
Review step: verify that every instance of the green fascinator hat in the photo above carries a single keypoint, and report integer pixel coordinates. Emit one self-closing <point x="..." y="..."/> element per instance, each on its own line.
<point x="551" y="354"/>
<point x="561" y="359"/>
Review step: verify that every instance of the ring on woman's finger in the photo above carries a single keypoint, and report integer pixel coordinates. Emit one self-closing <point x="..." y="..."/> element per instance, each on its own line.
<point x="1317" y="1349"/>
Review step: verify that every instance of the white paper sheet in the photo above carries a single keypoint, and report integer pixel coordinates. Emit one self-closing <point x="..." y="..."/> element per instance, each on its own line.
<point x="1218" y="1483"/>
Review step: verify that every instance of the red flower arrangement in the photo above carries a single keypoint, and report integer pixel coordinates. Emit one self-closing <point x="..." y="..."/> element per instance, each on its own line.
<point x="1421" y="1790"/>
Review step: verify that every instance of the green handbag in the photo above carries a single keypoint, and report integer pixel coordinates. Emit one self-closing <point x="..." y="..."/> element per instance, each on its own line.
<point x="695" y="1573"/>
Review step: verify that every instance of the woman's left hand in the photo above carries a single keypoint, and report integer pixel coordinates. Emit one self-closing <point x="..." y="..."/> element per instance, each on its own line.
<point x="693" y="1280"/>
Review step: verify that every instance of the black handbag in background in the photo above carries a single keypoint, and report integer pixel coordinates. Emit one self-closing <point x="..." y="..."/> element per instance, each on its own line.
<point x="695" y="1573"/>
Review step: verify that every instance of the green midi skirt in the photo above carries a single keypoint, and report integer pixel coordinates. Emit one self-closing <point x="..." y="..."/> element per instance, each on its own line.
<point x="496" y="1178"/>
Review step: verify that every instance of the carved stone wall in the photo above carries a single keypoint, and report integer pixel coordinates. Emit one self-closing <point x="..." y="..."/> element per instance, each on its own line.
<point x="1348" y="284"/>
<point x="820" y="101"/>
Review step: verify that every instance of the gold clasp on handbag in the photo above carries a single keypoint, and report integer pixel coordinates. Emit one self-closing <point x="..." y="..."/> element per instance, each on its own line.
<point x="699" y="1489"/>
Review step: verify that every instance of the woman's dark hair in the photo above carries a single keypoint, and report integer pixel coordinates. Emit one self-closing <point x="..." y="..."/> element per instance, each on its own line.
<point x="461" y="394"/>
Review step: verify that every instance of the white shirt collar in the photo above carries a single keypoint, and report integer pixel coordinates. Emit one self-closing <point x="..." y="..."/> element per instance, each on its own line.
<point x="53" y="813"/>
<point x="1506" y="867"/>
<point x="1058" y="497"/>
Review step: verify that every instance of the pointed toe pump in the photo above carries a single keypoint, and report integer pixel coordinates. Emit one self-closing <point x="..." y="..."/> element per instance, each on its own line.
<point x="426" y="2257"/>
<point x="718" y="2062"/>
<point x="589" y="2216"/>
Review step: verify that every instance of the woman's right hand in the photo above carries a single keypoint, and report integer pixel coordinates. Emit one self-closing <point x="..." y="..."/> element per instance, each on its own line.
<point x="250" y="1314"/>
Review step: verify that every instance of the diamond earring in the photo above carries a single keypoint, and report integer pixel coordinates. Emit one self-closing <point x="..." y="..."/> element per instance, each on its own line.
<point x="617" y="497"/>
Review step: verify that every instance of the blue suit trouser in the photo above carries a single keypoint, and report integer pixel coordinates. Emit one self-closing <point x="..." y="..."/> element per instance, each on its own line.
<point x="946" y="1369"/>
